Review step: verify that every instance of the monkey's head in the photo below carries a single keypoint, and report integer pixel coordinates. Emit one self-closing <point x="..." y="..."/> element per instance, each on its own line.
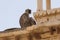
<point x="28" y="11"/>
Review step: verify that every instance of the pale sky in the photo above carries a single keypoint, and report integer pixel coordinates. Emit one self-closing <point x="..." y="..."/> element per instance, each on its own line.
<point x="11" y="10"/>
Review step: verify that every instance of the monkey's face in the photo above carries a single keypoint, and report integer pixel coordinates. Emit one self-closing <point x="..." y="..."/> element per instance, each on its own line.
<point x="28" y="11"/>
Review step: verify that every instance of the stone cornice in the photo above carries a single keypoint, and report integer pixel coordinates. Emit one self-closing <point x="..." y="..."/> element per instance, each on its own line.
<point x="40" y="14"/>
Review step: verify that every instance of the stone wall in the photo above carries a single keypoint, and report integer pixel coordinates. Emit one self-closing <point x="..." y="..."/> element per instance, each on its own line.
<point x="32" y="33"/>
<point x="47" y="28"/>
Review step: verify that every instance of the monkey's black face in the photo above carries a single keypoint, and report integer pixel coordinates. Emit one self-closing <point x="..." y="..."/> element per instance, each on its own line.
<point x="29" y="11"/>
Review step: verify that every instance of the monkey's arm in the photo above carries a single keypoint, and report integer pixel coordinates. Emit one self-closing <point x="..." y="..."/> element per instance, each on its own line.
<point x="32" y="21"/>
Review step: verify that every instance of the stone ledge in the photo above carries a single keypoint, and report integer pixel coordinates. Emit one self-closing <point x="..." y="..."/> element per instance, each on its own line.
<point x="44" y="13"/>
